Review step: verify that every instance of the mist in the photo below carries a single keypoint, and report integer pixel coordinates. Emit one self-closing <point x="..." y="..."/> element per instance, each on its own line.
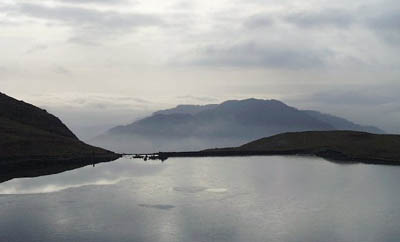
<point x="228" y="124"/>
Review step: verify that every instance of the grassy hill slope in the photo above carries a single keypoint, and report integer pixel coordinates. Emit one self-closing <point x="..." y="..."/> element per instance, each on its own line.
<point x="340" y="145"/>
<point x="31" y="136"/>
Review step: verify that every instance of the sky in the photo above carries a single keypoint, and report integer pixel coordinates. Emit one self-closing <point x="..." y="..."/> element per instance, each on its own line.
<point x="100" y="63"/>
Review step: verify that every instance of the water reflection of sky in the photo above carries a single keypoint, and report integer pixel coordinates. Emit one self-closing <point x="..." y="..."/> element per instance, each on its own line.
<point x="206" y="199"/>
<point x="101" y="174"/>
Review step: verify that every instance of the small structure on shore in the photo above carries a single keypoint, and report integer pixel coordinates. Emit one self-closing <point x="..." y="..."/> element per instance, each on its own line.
<point x="145" y="157"/>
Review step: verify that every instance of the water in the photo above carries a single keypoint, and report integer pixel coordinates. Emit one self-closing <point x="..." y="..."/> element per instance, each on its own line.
<point x="245" y="199"/>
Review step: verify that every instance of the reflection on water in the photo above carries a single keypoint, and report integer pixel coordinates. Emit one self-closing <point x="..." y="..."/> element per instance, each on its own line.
<point x="101" y="174"/>
<point x="205" y="199"/>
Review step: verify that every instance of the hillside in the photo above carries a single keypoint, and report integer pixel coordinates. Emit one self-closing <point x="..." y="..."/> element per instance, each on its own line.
<point x="231" y="123"/>
<point x="31" y="137"/>
<point x="338" y="146"/>
<point x="26" y="114"/>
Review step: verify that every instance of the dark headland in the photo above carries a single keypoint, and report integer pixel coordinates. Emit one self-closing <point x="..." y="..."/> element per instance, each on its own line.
<point x="338" y="146"/>
<point x="34" y="142"/>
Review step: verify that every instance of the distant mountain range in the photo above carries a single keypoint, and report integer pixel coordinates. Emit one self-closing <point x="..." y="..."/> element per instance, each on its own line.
<point x="31" y="137"/>
<point x="231" y="123"/>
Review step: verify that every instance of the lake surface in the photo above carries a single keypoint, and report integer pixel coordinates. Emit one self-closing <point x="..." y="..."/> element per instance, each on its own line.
<point x="246" y="199"/>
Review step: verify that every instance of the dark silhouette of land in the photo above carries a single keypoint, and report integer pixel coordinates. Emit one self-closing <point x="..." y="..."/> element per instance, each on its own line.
<point x="35" y="142"/>
<point x="338" y="146"/>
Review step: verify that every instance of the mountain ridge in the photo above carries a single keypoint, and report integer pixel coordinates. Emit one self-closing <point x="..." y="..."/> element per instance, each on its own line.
<point x="195" y="127"/>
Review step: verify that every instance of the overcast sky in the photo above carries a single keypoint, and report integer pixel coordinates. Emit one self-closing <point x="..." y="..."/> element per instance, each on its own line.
<point x="103" y="62"/>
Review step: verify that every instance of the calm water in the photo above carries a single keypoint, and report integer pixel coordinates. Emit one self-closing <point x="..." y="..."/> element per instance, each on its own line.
<point x="206" y="199"/>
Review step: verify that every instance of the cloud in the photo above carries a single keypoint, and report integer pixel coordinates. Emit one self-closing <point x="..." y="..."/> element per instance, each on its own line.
<point x="389" y="21"/>
<point x="76" y="16"/>
<point x="196" y="99"/>
<point x="326" y="18"/>
<point x="183" y="5"/>
<point x="262" y="56"/>
<point x="258" y="21"/>
<point x="79" y="40"/>
<point x="89" y="26"/>
<point x="3" y="73"/>
<point x="8" y="23"/>
<point x="91" y="100"/>
<point x="94" y="1"/>
<point x="386" y="26"/>
<point x="364" y="98"/>
<point x="36" y="48"/>
<point x="61" y="70"/>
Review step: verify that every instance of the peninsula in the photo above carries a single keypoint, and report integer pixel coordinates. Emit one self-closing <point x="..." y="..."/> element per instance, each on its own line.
<point x="338" y="146"/>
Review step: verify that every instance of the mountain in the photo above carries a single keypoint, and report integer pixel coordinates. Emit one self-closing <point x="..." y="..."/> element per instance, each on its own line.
<point x="337" y="122"/>
<point x="31" y="137"/>
<point x="194" y="127"/>
<point x="343" y="124"/>
<point x="187" y="109"/>
<point x="339" y="146"/>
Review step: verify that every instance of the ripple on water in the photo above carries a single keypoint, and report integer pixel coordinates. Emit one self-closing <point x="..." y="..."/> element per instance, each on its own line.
<point x="196" y="189"/>
<point x="190" y="189"/>
<point x="157" y="206"/>
<point x="216" y="190"/>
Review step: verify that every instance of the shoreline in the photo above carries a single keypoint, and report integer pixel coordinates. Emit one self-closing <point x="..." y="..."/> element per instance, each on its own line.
<point x="330" y="155"/>
<point x="24" y="167"/>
